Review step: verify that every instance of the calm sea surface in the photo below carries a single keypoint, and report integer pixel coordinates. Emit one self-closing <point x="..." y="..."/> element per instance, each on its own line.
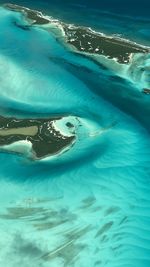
<point x="90" y="206"/>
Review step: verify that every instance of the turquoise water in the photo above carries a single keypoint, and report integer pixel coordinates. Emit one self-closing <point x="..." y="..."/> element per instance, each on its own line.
<point x="88" y="207"/>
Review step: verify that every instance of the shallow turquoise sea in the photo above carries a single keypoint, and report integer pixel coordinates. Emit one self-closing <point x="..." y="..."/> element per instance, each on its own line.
<point x="89" y="206"/>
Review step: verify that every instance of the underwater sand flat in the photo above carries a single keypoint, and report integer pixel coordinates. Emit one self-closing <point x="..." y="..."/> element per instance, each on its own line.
<point x="77" y="193"/>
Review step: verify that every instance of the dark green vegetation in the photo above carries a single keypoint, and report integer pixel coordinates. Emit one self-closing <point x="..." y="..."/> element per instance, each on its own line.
<point x="91" y="42"/>
<point x="35" y="16"/>
<point x="85" y="40"/>
<point x="45" y="139"/>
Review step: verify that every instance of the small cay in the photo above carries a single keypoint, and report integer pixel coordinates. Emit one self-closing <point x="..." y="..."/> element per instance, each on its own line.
<point x="47" y="136"/>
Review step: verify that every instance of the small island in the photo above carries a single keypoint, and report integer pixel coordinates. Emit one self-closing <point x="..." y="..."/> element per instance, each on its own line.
<point x="45" y="135"/>
<point x="146" y="91"/>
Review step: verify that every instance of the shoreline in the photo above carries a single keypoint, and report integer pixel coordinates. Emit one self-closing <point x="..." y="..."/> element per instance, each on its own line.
<point x="46" y="140"/>
<point x="85" y="39"/>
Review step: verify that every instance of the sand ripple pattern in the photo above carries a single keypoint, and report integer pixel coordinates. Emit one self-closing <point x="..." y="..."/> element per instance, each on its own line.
<point x="88" y="207"/>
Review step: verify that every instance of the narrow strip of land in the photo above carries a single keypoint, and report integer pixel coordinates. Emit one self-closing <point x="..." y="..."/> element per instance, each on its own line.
<point x="85" y="40"/>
